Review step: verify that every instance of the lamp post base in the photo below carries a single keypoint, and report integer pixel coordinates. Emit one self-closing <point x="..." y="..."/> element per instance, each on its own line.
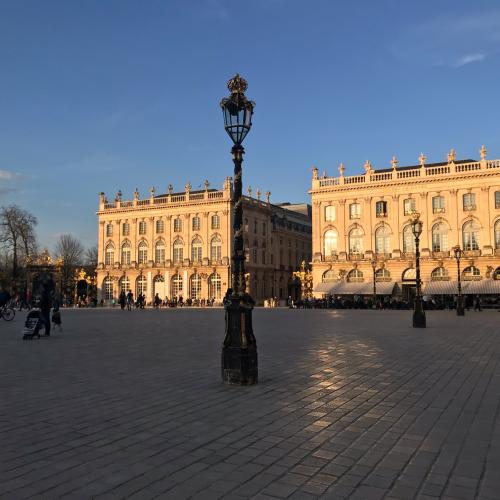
<point x="239" y="350"/>
<point x="460" y="307"/>
<point x="419" y="320"/>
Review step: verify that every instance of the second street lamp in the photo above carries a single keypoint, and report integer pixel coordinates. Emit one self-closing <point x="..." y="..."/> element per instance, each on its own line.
<point x="374" y="267"/>
<point x="460" y="300"/>
<point x="419" y="320"/>
<point x="239" y="349"/>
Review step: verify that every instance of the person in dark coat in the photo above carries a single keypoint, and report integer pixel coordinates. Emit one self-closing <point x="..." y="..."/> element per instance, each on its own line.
<point x="45" y="306"/>
<point x="122" y="299"/>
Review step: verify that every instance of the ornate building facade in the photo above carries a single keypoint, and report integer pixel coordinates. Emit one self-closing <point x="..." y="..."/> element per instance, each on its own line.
<point x="361" y="231"/>
<point x="179" y="244"/>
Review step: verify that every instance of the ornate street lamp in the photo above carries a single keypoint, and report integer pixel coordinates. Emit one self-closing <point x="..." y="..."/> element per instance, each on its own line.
<point x="460" y="300"/>
<point x="239" y="349"/>
<point x="419" y="320"/>
<point x="374" y="267"/>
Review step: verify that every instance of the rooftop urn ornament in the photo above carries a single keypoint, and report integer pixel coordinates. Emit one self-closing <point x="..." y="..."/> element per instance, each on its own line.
<point x="452" y="156"/>
<point x="315" y="173"/>
<point x="152" y="192"/>
<point x="268" y="196"/>
<point x="394" y="163"/>
<point x="119" y="195"/>
<point x="341" y="169"/>
<point x="239" y="364"/>
<point x="258" y="193"/>
<point x="136" y="194"/>
<point x="249" y="191"/>
<point x="368" y="167"/>
<point x="206" y="184"/>
<point x="187" y="187"/>
<point x="482" y="152"/>
<point x="422" y="159"/>
<point x="170" y="189"/>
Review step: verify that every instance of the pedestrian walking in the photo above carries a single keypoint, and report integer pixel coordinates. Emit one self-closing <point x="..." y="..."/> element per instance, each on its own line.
<point x="45" y="306"/>
<point x="122" y="300"/>
<point x="130" y="300"/>
<point x="477" y="304"/>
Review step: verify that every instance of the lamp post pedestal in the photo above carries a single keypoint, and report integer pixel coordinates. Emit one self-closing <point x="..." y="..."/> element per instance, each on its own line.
<point x="460" y="305"/>
<point x="419" y="320"/>
<point x="239" y="349"/>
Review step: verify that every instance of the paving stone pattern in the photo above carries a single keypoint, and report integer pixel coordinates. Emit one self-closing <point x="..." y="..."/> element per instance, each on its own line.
<point x="350" y="404"/>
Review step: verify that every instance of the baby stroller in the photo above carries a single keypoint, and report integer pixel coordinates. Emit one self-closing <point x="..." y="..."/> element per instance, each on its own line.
<point x="33" y="324"/>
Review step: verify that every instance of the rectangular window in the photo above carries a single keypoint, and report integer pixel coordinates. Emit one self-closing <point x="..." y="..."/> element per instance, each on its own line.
<point x="497" y="199"/>
<point x="354" y="211"/>
<point x="159" y="226"/>
<point x="177" y="225"/>
<point x="469" y="200"/>
<point x="438" y="204"/>
<point x="255" y="226"/>
<point x="215" y="222"/>
<point x="264" y="229"/>
<point x="409" y="206"/>
<point x="329" y="213"/>
<point x="142" y="227"/>
<point x="109" y="230"/>
<point x="263" y="256"/>
<point x="254" y="255"/>
<point x="381" y="208"/>
<point x="126" y="229"/>
<point x="196" y="223"/>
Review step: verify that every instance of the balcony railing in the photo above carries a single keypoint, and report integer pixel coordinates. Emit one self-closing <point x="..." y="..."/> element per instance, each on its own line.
<point x="438" y="210"/>
<point x="381" y="214"/>
<point x="469" y="208"/>
<point x="355" y="256"/>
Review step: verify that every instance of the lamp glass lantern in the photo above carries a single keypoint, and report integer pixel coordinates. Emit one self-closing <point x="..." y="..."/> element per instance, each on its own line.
<point x="458" y="252"/>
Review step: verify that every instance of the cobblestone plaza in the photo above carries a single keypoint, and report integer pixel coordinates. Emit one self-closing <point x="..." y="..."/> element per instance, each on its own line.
<point x="350" y="404"/>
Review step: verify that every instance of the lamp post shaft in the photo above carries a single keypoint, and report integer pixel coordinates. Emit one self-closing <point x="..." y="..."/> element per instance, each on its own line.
<point x="460" y="301"/>
<point x="238" y="257"/>
<point x="419" y="320"/>
<point x="374" y="290"/>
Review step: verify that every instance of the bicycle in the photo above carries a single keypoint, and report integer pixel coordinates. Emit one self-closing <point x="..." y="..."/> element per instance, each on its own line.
<point x="7" y="313"/>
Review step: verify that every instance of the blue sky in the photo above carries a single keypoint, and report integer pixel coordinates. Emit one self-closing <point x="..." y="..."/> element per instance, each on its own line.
<point x="105" y="95"/>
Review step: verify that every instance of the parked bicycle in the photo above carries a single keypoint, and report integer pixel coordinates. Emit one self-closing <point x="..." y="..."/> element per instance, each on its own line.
<point x="7" y="313"/>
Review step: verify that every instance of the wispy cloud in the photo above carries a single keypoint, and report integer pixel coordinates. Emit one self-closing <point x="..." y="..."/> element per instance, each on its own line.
<point x="451" y="41"/>
<point x="7" y="175"/>
<point x="470" y="58"/>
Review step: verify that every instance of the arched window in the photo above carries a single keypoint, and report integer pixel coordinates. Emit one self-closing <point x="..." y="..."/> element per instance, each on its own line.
<point x="409" y="274"/>
<point x="160" y="226"/>
<point x="216" y="249"/>
<point x="178" y="253"/>
<point x="355" y="275"/>
<point x="141" y="285"/>
<point x="125" y="284"/>
<point x="497" y="234"/>
<point x="439" y="237"/>
<point x="160" y="252"/>
<point x="126" y="254"/>
<point x="471" y="273"/>
<point x="195" y="286"/>
<point x="214" y="286"/>
<point x="109" y="256"/>
<point x="107" y="288"/>
<point x="439" y="274"/>
<point x="142" y="253"/>
<point x="470" y="235"/>
<point x="408" y="240"/>
<point x="330" y="244"/>
<point x="196" y="250"/>
<point x="382" y="240"/>
<point x="382" y="275"/>
<point x="356" y="240"/>
<point x="328" y="276"/>
<point x="215" y="221"/>
<point x="176" y="285"/>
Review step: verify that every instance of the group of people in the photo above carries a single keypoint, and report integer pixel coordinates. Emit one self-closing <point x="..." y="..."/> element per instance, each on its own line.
<point x="126" y="301"/>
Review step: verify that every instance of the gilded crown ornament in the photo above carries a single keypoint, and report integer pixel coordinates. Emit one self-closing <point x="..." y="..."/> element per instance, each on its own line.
<point x="237" y="85"/>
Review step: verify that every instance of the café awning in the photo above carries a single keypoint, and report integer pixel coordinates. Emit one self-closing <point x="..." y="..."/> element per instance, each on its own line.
<point x="483" y="287"/>
<point x="442" y="288"/>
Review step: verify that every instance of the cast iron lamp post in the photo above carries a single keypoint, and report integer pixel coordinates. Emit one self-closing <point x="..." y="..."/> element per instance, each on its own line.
<point x="374" y="266"/>
<point x="460" y="300"/>
<point x="239" y="349"/>
<point x="418" y="313"/>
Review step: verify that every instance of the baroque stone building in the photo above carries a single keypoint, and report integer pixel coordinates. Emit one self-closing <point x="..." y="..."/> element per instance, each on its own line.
<point x="360" y="219"/>
<point x="179" y="244"/>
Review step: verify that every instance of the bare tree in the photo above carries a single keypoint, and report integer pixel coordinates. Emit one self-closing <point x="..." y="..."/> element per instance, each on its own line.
<point x="71" y="250"/>
<point x="17" y="233"/>
<point x="91" y="257"/>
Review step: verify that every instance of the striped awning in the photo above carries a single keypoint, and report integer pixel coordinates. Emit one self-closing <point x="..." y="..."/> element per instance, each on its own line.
<point x="324" y="287"/>
<point x="442" y="288"/>
<point x="363" y="288"/>
<point x="483" y="287"/>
